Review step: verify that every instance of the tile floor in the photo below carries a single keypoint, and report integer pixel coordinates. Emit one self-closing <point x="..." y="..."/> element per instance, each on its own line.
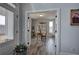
<point x="42" y="47"/>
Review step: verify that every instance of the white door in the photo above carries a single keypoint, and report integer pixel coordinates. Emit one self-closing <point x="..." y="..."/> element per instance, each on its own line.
<point x="57" y="32"/>
<point x="28" y="30"/>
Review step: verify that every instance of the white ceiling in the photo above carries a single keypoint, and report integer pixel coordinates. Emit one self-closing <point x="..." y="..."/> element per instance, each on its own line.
<point x="46" y="15"/>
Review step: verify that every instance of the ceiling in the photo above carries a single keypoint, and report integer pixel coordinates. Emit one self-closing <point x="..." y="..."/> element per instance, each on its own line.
<point x="46" y="15"/>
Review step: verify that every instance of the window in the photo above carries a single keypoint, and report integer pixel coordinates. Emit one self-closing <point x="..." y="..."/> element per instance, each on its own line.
<point x="2" y="20"/>
<point x="6" y="25"/>
<point x="50" y="26"/>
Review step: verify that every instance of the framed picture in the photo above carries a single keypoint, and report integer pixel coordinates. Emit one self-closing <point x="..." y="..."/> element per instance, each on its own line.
<point x="74" y="17"/>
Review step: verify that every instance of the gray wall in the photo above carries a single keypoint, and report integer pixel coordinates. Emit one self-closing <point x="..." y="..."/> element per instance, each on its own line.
<point x="69" y="34"/>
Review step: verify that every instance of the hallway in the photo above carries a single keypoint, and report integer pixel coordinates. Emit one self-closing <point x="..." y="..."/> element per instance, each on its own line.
<point x="42" y="47"/>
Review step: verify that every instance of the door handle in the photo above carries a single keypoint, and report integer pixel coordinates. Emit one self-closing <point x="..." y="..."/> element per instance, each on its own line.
<point x="28" y="30"/>
<point x="55" y="31"/>
<point x="55" y="45"/>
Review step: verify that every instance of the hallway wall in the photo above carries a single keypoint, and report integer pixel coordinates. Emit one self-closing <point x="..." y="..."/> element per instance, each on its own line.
<point x="69" y="34"/>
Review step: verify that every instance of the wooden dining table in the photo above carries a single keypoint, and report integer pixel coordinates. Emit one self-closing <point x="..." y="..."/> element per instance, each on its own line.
<point x="41" y="35"/>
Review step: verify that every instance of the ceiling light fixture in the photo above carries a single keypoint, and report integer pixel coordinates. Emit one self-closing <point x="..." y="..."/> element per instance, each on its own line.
<point x="41" y="15"/>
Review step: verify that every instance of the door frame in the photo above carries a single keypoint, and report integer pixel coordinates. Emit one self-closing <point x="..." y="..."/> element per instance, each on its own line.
<point x="58" y="40"/>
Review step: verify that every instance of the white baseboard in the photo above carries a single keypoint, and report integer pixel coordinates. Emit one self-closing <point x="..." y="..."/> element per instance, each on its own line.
<point x="67" y="53"/>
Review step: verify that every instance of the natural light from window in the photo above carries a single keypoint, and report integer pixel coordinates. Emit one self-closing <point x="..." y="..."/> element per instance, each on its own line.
<point x="2" y="20"/>
<point x="50" y="26"/>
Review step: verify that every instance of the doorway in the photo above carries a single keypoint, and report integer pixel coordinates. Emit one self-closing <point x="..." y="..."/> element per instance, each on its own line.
<point x="43" y="30"/>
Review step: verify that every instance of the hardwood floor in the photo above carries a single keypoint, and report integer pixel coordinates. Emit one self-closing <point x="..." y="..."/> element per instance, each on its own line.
<point x="42" y="47"/>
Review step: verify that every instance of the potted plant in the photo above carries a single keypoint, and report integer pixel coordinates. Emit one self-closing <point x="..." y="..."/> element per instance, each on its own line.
<point x="21" y="49"/>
